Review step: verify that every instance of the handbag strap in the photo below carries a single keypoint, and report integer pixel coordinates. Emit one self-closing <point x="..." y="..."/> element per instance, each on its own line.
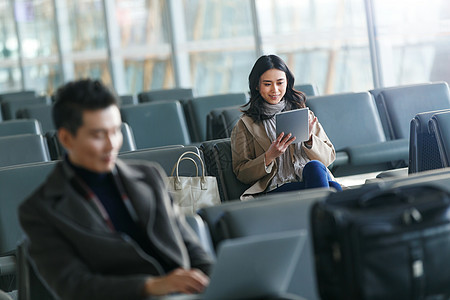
<point x="196" y="155"/>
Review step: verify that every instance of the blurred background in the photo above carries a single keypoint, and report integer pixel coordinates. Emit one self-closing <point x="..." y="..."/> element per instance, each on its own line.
<point x="211" y="45"/>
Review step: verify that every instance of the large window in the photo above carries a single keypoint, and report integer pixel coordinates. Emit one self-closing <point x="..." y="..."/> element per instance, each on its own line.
<point x="220" y="44"/>
<point x="413" y="39"/>
<point x="324" y="42"/>
<point x="10" y="75"/>
<point x="145" y="43"/>
<point x="36" y="26"/>
<point x="88" y="39"/>
<point x="211" y="45"/>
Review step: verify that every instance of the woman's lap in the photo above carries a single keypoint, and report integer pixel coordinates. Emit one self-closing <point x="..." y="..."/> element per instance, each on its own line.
<point x="315" y="175"/>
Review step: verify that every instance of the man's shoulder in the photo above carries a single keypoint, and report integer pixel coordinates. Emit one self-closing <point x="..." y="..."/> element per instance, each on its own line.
<point x="136" y="167"/>
<point x="50" y="186"/>
<point x="138" y="164"/>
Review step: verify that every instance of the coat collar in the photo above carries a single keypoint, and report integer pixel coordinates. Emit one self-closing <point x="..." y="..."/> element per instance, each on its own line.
<point x="68" y="202"/>
<point x="136" y="188"/>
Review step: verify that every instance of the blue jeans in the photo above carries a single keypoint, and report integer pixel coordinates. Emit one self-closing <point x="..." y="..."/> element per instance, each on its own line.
<point x="315" y="175"/>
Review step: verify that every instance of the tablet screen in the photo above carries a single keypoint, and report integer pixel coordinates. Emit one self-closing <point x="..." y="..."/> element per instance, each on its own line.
<point x="294" y="121"/>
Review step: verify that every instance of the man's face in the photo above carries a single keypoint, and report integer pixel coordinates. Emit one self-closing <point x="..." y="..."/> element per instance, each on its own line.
<point x="97" y="142"/>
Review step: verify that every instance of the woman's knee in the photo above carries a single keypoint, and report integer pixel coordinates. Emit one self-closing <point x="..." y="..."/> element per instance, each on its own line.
<point x="314" y="166"/>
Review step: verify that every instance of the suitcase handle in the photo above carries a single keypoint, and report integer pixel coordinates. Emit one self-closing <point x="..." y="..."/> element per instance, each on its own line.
<point x="375" y="198"/>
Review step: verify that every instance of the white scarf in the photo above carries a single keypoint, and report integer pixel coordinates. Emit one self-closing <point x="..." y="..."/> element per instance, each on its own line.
<point x="288" y="171"/>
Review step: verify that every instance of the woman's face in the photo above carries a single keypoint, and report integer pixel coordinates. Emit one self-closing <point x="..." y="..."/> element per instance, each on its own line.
<point x="272" y="85"/>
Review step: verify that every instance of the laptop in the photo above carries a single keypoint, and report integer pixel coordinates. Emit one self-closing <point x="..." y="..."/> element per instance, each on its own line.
<point x="294" y="121"/>
<point x="252" y="267"/>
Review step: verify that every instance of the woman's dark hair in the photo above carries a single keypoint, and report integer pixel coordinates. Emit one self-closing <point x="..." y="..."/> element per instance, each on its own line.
<point x="295" y="98"/>
<point x="75" y="97"/>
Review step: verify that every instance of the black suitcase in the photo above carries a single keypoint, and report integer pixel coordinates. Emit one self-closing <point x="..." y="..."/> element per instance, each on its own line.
<point x="384" y="243"/>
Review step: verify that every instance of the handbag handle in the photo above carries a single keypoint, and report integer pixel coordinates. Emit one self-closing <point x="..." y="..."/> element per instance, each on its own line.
<point x="181" y="158"/>
<point x="186" y="158"/>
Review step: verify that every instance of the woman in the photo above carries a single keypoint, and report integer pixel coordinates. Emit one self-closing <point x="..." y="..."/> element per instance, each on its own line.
<point x="273" y="163"/>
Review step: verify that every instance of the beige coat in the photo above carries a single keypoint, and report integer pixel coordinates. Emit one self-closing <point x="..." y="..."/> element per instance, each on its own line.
<point x="249" y="142"/>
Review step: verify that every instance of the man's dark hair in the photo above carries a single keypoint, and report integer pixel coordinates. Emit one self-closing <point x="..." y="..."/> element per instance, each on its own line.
<point x="75" y="97"/>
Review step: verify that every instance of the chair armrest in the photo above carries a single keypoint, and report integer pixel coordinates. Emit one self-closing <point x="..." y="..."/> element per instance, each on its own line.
<point x="383" y="152"/>
<point x="342" y="158"/>
<point x="7" y="265"/>
<point x="199" y="227"/>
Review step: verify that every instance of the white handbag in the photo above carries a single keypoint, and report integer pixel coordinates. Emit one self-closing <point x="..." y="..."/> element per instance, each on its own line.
<point x="193" y="193"/>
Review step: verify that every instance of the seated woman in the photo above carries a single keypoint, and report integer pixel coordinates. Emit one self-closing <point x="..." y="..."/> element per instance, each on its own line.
<point x="273" y="163"/>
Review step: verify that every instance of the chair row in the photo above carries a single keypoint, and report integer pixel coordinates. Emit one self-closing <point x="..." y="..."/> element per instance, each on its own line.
<point x="195" y="110"/>
<point x="370" y="130"/>
<point x="171" y="121"/>
<point x="199" y="111"/>
<point x="23" y="141"/>
<point x="16" y="183"/>
<point x="429" y="144"/>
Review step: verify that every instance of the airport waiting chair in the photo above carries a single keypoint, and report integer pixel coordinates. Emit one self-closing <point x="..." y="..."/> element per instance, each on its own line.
<point x="212" y="215"/>
<point x="201" y="230"/>
<point x="23" y="149"/>
<point x="128" y="144"/>
<point x="308" y="89"/>
<point x="440" y="128"/>
<point x="398" y="105"/>
<point x="423" y="147"/>
<point x="231" y="186"/>
<point x="166" y="157"/>
<point x="207" y="149"/>
<point x="221" y="121"/>
<point x="157" y="124"/>
<point x="40" y="112"/>
<point x="57" y="151"/>
<point x="23" y="126"/>
<point x="383" y="117"/>
<point x="55" y="148"/>
<point x="278" y="213"/>
<point x="128" y="100"/>
<point x="16" y="183"/>
<point x="6" y="97"/>
<point x="180" y="94"/>
<point x="199" y="108"/>
<point x="353" y="125"/>
<point x="10" y="108"/>
<point x="218" y="160"/>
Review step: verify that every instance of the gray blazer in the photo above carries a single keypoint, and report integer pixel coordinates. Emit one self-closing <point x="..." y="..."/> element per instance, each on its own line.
<point x="81" y="258"/>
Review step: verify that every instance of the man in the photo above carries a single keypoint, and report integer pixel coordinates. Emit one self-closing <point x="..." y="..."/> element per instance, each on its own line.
<point x="102" y="228"/>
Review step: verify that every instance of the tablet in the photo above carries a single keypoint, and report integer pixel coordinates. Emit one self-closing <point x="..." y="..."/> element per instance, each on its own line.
<point x="294" y="121"/>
